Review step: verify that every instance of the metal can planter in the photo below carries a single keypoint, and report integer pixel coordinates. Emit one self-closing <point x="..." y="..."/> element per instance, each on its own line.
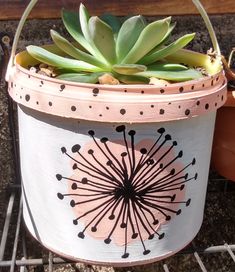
<point x="114" y="175"/>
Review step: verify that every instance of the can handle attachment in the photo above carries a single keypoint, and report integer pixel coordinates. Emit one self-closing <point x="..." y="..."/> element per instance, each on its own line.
<point x="32" y="3"/>
<point x="17" y="36"/>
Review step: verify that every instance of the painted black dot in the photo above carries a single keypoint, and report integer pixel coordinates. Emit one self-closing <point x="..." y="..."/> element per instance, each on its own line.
<point x="42" y="82"/>
<point x="134" y="235"/>
<point x="62" y="87"/>
<point x="168" y="218"/>
<point x="50" y="103"/>
<point x="181" y="89"/>
<point x="217" y="79"/>
<point x="192" y="87"/>
<point x="81" y="235"/>
<point x="143" y="151"/>
<point x="111" y="217"/>
<point x="207" y="106"/>
<point x="169" y="103"/>
<point x="107" y="241"/>
<point x="162" y="91"/>
<point x="198" y="103"/>
<point x="75" y="166"/>
<point x="74" y="186"/>
<point x="94" y="229"/>
<point x="187" y="112"/>
<point x="188" y="202"/>
<point x="27" y="97"/>
<point x="168" y="137"/>
<point x="142" y="92"/>
<point x="125" y="255"/>
<point x="104" y="140"/>
<point x="161" y="111"/>
<point x="107" y="108"/>
<point x="179" y="106"/>
<point x="152" y="106"/>
<point x="146" y="252"/>
<point x="120" y="128"/>
<point x="90" y="151"/>
<point x="222" y="98"/>
<point x="178" y="212"/>
<point x="141" y="113"/>
<point x="216" y="104"/>
<point x="123" y="225"/>
<point x="84" y="181"/>
<point x="125" y="91"/>
<point x="161" y="236"/>
<point x="100" y="115"/>
<point x="75" y="222"/>
<point x="212" y="82"/>
<point x="122" y="111"/>
<point x="161" y="130"/>
<point x="72" y="203"/>
<point x="91" y="132"/>
<point x="203" y="85"/>
<point x="155" y="222"/>
<point x="60" y="196"/>
<point x="59" y="177"/>
<point x="95" y="91"/>
<point x="180" y="155"/>
<point x="75" y="148"/>
<point x="90" y="106"/>
<point x="29" y="76"/>
<point x="37" y="102"/>
<point x="63" y="150"/>
<point x="131" y="133"/>
<point x="73" y="108"/>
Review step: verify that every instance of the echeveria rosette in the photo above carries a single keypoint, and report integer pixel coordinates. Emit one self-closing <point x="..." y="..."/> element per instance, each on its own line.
<point x="132" y="52"/>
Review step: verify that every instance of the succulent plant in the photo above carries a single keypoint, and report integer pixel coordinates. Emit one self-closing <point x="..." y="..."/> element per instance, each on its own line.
<point x="130" y="52"/>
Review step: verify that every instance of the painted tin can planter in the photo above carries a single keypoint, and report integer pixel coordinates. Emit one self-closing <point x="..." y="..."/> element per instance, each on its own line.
<point x="114" y="175"/>
<point x="223" y="152"/>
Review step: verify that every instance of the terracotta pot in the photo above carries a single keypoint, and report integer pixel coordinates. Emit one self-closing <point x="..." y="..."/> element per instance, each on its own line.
<point x="114" y="175"/>
<point x="223" y="155"/>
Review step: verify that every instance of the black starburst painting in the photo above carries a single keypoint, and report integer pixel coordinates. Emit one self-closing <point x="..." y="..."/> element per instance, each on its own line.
<point x="124" y="190"/>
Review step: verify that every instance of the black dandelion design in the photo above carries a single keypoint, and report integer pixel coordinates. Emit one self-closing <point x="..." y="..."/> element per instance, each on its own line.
<point x="124" y="190"/>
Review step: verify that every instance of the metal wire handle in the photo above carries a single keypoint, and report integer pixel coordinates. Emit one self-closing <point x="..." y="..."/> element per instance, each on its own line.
<point x="32" y="3"/>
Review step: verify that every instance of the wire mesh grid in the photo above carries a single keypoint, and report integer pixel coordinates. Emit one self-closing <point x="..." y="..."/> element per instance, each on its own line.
<point x="212" y="250"/>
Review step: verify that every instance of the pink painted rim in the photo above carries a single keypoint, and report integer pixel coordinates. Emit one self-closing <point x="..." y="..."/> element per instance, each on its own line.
<point x="120" y="103"/>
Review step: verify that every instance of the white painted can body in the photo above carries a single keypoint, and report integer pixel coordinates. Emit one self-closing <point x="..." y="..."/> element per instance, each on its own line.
<point x="114" y="194"/>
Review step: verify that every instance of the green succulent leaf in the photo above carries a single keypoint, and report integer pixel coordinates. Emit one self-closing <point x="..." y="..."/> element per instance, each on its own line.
<point x="84" y="19"/>
<point x="74" y="52"/>
<point x="113" y="21"/>
<point x="132" y="79"/>
<point x="129" y="69"/>
<point x="128" y="35"/>
<point x="168" y="50"/>
<point x="83" y="78"/>
<point x="167" y="67"/>
<point x="71" y="23"/>
<point x="196" y="59"/>
<point x="149" y="38"/>
<point x="102" y="36"/>
<point x="52" y="59"/>
<point x="173" y="75"/>
<point x="167" y="36"/>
